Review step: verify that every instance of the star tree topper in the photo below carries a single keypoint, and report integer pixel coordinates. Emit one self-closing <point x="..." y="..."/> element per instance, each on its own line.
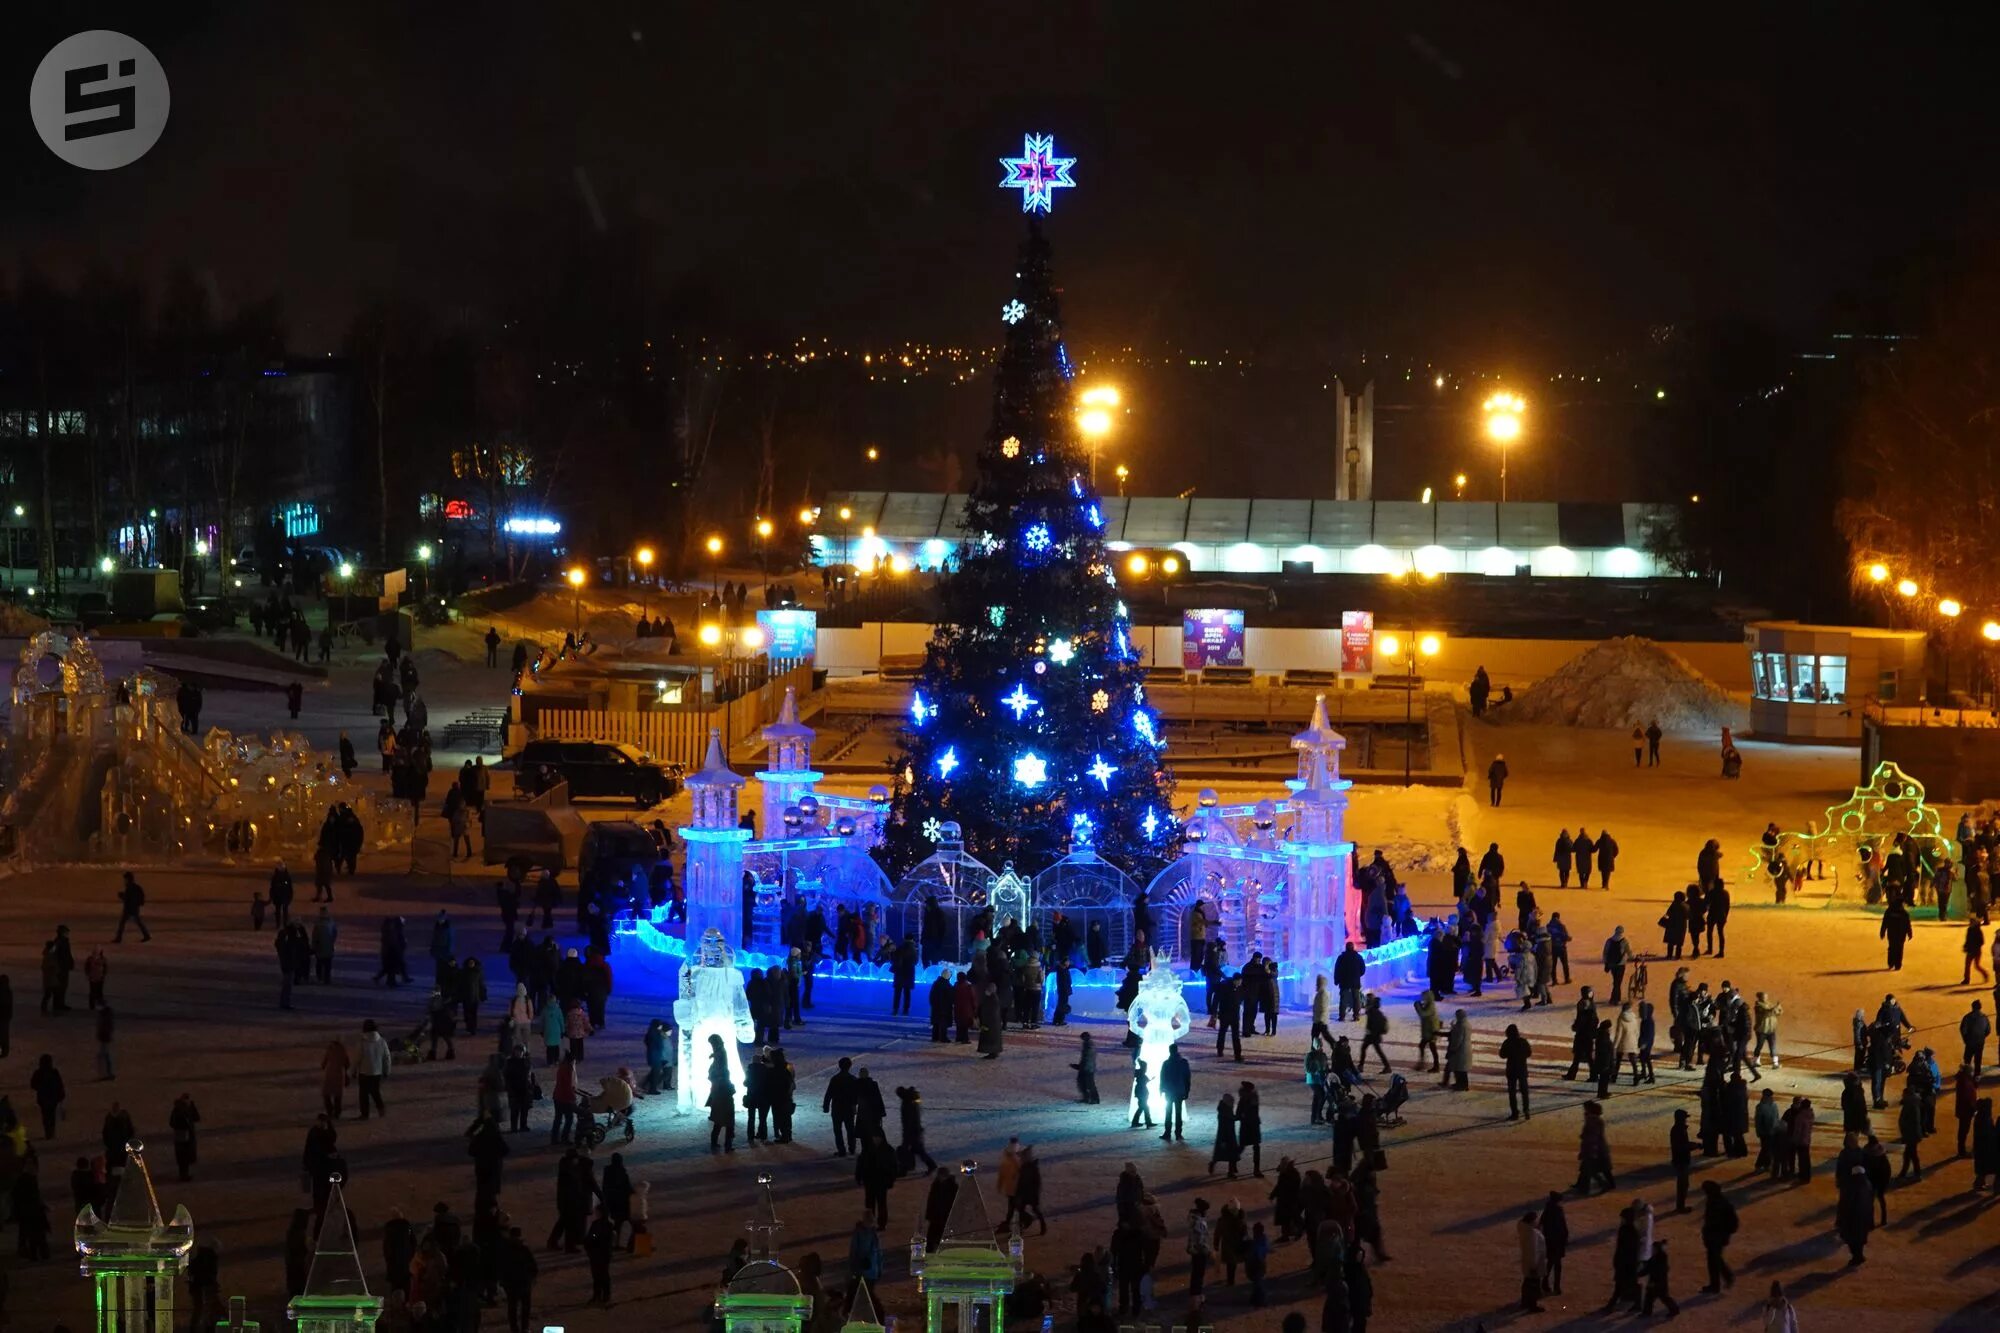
<point x="1037" y="173"/>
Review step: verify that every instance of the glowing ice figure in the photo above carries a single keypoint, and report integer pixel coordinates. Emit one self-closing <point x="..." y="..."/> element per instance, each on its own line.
<point x="1159" y="1015"/>
<point x="712" y="1002"/>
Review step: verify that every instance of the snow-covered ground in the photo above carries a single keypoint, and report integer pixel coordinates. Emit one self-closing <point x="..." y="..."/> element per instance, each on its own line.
<point x="197" y="1012"/>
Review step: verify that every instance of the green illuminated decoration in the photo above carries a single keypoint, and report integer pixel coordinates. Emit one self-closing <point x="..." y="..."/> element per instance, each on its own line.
<point x="133" y="1255"/>
<point x="1891" y="802"/>
<point x="336" y="1298"/>
<point x="764" y="1295"/>
<point x="968" y="1273"/>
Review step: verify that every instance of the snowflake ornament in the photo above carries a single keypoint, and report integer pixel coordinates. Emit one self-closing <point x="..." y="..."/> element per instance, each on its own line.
<point x="1013" y="312"/>
<point x="1020" y="701"/>
<point x="1099" y="701"/>
<point x="947" y="761"/>
<point x="1010" y="447"/>
<point x="1102" y="772"/>
<point x="933" y="829"/>
<point x="1031" y="770"/>
<point x="1060" y="651"/>
<point x="997" y="615"/>
<point x="1037" y="537"/>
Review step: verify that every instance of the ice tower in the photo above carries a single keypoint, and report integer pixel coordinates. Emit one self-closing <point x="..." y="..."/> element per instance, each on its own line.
<point x="788" y="772"/>
<point x="714" y="842"/>
<point x="133" y="1256"/>
<point x="336" y="1298"/>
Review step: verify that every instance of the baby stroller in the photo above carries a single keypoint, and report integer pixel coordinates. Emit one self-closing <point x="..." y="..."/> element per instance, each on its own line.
<point x="1389" y="1110"/>
<point x="409" y="1050"/>
<point x="614" y="1100"/>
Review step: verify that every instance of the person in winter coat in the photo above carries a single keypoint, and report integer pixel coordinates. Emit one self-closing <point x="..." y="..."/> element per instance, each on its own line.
<point x="1593" y="1154"/>
<point x="335" y="1068"/>
<point x="1625" y="1040"/>
<point x="1496" y="778"/>
<point x="1250" y="1125"/>
<point x="1973" y="1030"/>
<point x="1565" y="857"/>
<point x="1674" y="925"/>
<point x="1428" y="1028"/>
<point x="1458" y="1052"/>
<point x="1226" y="1150"/>
<point x="1534" y="1262"/>
<point x="1854" y="1212"/>
<point x="1617" y="957"/>
<point x="1585" y="849"/>
<point x="1897" y="930"/>
<point x="1607" y="857"/>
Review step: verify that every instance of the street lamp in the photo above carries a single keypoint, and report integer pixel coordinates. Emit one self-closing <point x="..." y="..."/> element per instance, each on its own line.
<point x="1503" y="427"/>
<point x="346" y="586"/>
<point x="874" y="454"/>
<point x="1907" y="587"/>
<point x="1878" y="573"/>
<point x="1122" y="472"/>
<point x="106" y="565"/>
<point x="1424" y="645"/>
<point x="1094" y="420"/>
<point x="644" y="555"/>
<point x="764" y="530"/>
<point x="1458" y="483"/>
<point x="714" y="545"/>
<point x="575" y="577"/>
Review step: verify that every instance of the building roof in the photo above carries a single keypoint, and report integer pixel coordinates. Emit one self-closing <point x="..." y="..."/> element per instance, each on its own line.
<point x="1153" y="520"/>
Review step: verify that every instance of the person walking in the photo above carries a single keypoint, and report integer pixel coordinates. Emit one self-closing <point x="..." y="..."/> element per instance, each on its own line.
<point x="335" y="1068"/>
<point x="1458" y="1052"/>
<point x="1656" y="1282"/>
<point x="372" y="1063"/>
<point x="1897" y="929"/>
<point x="1607" y="858"/>
<point x="1582" y="1033"/>
<point x="1555" y="1239"/>
<point x="1593" y="1154"/>
<point x="131" y="902"/>
<point x="1376" y="1027"/>
<point x="1514" y="1052"/>
<point x="281" y="896"/>
<point x="1176" y="1083"/>
<point x="1250" y="1125"/>
<point x="1200" y="1249"/>
<point x="1565" y="856"/>
<point x="1496" y="778"/>
<point x="1653" y="735"/>
<point x="1617" y="957"/>
<point x="1854" y="1212"/>
<point x="1718" y="919"/>
<point x="1428" y="1029"/>
<point x="598" y="1243"/>
<point x="841" y="1101"/>
<point x="1086" y="1070"/>
<point x="1974" y="947"/>
<point x="1718" y="1225"/>
<point x="1910" y="1129"/>
<point x="1680" y="1152"/>
<point x="1226" y="1151"/>
<point x="1973" y="1030"/>
<point x="1638" y="746"/>
<point x="1534" y="1256"/>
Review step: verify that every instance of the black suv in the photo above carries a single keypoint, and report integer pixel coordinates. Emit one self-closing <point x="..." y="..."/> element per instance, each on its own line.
<point x="594" y="768"/>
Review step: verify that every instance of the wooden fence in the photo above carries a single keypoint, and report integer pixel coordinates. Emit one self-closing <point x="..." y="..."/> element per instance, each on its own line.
<point x="676" y="735"/>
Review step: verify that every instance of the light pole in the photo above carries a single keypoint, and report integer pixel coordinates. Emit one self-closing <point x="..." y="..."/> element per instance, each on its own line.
<point x="346" y="585"/>
<point x="1121" y="472"/>
<point x="644" y="555"/>
<point x="1503" y="427"/>
<point x="709" y="636"/>
<point x="424" y="558"/>
<point x="576" y="600"/>
<point x="13" y="531"/>
<point x="714" y="545"/>
<point x="1094" y="420"/>
<point x="764" y="531"/>
<point x="846" y="542"/>
<point x="1425" y="645"/>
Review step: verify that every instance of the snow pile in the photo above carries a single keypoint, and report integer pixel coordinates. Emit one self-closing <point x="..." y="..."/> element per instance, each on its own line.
<point x="17" y="623"/>
<point x="1417" y="828"/>
<point x="1627" y="682"/>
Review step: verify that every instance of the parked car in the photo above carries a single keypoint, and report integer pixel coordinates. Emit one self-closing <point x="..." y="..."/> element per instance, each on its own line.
<point x="594" y="768"/>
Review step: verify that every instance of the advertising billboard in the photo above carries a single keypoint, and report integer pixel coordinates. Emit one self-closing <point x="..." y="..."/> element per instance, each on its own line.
<point x="1357" y="642"/>
<point x="789" y="632"/>
<point x="1211" y="638"/>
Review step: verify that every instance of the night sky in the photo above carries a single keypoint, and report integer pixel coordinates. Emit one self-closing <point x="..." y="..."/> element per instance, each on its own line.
<point x="1472" y="188"/>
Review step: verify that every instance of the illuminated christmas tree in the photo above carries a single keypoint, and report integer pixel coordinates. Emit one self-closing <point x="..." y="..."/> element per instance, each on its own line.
<point x="1029" y="725"/>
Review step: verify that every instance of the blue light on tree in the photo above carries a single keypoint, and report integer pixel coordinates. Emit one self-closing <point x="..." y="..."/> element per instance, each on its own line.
<point x="1142" y="722"/>
<point x="1081" y="827"/>
<point x="1151" y="823"/>
<point x="1037" y="173"/>
<point x="1102" y="771"/>
<point x="1020" y="701"/>
<point x="920" y="712"/>
<point x="1095" y="516"/>
<point x="947" y="761"/>
<point x="1031" y="770"/>
<point x="1036" y="538"/>
<point x="1013" y="312"/>
<point x="996" y="616"/>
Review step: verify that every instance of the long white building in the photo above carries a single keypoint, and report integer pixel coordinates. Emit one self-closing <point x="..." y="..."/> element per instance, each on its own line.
<point x="1272" y="536"/>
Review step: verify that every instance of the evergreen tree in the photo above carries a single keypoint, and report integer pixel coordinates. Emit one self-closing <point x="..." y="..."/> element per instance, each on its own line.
<point x="1029" y="725"/>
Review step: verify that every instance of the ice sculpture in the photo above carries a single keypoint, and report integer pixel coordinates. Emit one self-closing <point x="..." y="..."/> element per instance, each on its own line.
<point x="1159" y="1017"/>
<point x="712" y="1003"/>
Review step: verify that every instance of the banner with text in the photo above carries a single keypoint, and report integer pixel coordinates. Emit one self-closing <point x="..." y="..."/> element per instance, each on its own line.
<point x="1357" y="641"/>
<point x="1211" y="638"/>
